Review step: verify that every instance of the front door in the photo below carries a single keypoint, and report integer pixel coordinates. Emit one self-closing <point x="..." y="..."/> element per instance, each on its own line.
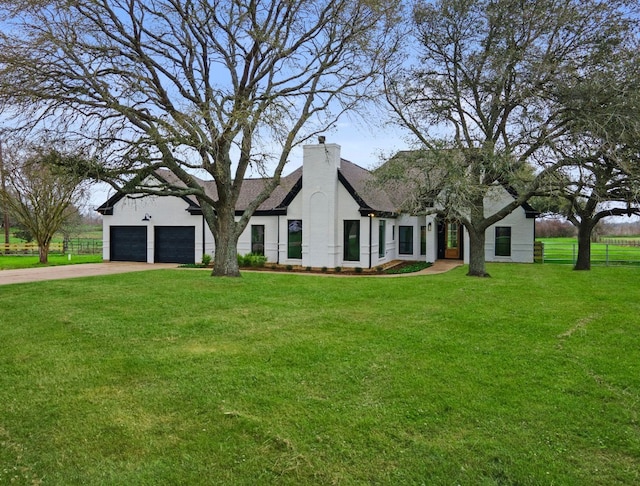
<point x="452" y="240"/>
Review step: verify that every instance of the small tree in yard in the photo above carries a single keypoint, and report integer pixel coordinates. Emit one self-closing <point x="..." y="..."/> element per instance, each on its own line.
<point x="482" y="99"/>
<point x="39" y="194"/>
<point x="221" y="86"/>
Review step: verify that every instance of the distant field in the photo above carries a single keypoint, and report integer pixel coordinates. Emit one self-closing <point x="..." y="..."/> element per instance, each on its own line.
<point x="531" y="377"/>
<point x="86" y="240"/>
<point x="85" y="231"/>
<point x="565" y="250"/>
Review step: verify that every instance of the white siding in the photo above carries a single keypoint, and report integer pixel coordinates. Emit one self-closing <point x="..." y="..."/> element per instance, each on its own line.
<point x="522" y="229"/>
<point x="322" y="205"/>
<point x="270" y="237"/>
<point x="160" y="211"/>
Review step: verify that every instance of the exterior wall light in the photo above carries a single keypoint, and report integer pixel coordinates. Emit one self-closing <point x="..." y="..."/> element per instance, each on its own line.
<point x="429" y="226"/>
<point x="147" y="217"/>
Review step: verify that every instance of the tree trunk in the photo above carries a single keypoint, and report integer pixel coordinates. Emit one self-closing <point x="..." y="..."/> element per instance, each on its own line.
<point x="225" y="262"/>
<point x="583" y="262"/>
<point x="477" y="264"/>
<point x="43" y="253"/>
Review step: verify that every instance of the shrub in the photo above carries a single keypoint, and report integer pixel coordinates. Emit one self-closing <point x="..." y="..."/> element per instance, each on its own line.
<point x="338" y="269"/>
<point x="206" y="259"/>
<point x="358" y="269"/>
<point x="23" y="234"/>
<point x="408" y="267"/>
<point x="308" y="269"/>
<point x="379" y="268"/>
<point x="257" y="260"/>
<point x="324" y="269"/>
<point x="289" y="267"/>
<point x="252" y="260"/>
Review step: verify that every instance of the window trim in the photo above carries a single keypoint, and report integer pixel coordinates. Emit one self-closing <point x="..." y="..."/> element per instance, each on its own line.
<point x="346" y="254"/>
<point x="291" y="255"/>
<point x="382" y="238"/>
<point x="502" y="249"/>
<point x="255" y="227"/>
<point x="402" y="244"/>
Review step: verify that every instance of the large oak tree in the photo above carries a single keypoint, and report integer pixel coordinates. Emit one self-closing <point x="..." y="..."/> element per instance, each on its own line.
<point x="216" y="86"/>
<point x="601" y="177"/>
<point x="482" y="95"/>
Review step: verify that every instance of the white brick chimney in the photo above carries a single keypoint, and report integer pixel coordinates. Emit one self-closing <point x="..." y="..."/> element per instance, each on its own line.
<point x="320" y="165"/>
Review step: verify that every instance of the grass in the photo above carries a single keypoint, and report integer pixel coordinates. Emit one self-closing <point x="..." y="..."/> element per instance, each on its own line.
<point x="564" y="250"/>
<point x="172" y="377"/>
<point x="12" y="262"/>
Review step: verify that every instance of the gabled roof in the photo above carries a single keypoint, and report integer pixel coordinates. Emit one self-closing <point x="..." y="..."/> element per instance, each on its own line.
<point x="276" y="203"/>
<point x="360" y="183"/>
<point x="356" y="180"/>
<point x="163" y="176"/>
<point x="529" y="211"/>
<point x="425" y="184"/>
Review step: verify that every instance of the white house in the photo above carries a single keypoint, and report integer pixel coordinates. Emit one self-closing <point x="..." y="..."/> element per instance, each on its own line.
<point x="324" y="214"/>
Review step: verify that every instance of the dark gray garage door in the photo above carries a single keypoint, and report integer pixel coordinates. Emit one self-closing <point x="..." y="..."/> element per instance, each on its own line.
<point x="128" y="244"/>
<point x="175" y="244"/>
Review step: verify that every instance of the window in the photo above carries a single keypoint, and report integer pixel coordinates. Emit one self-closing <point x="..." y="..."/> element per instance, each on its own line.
<point x="382" y="237"/>
<point x="294" y="240"/>
<point x="452" y="236"/>
<point x="257" y="239"/>
<point x="406" y="240"/>
<point x="352" y="240"/>
<point x="423" y="240"/>
<point x="503" y="241"/>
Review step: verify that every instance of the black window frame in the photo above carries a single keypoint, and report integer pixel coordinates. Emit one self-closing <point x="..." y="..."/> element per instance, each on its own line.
<point x="405" y="246"/>
<point x="503" y="249"/>
<point x="257" y="244"/>
<point x="294" y="247"/>
<point x="351" y="250"/>
<point x="382" y="238"/>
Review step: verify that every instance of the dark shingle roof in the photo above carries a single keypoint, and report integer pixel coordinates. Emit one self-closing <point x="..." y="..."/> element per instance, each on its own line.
<point x="358" y="181"/>
<point x="362" y="186"/>
<point x="250" y="189"/>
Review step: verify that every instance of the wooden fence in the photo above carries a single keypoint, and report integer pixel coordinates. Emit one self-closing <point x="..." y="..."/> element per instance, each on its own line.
<point x="76" y="246"/>
<point x="634" y="242"/>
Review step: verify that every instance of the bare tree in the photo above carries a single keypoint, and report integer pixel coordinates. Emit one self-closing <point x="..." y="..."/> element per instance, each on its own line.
<point x="482" y="95"/>
<point x="39" y="195"/>
<point x="219" y="87"/>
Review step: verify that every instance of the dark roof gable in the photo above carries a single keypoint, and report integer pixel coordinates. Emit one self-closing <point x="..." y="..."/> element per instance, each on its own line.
<point x="357" y="181"/>
<point x="361" y="185"/>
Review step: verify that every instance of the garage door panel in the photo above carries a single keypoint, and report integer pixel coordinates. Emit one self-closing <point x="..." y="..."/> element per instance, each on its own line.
<point x="175" y="244"/>
<point x="128" y="243"/>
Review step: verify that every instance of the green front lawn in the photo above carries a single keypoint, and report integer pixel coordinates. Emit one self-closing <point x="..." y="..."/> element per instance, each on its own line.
<point x="172" y="377"/>
<point x="12" y="262"/>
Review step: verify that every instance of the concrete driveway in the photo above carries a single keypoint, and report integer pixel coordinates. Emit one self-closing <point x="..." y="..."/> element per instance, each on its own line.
<point x="72" y="271"/>
<point x="93" y="269"/>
